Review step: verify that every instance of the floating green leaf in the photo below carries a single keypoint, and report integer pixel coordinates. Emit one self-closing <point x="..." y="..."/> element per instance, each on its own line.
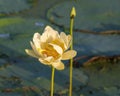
<point x="90" y="13"/>
<point x="13" y="6"/>
<point x="20" y="32"/>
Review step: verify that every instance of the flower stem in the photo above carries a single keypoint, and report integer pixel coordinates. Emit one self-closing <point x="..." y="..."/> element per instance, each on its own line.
<point x="52" y="81"/>
<point x="72" y="15"/>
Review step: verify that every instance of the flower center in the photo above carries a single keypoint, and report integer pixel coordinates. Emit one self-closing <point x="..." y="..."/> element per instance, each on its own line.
<point x="49" y="51"/>
<point x="58" y="42"/>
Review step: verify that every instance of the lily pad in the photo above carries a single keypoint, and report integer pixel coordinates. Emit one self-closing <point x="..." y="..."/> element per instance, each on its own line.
<point x="10" y="94"/>
<point x="91" y="44"/>
<point x="20" y="32"/>
<point x="13" y="6"/>
<point x="29" y="72"/>
<point x="112" y="91"/>
<point x="90" y="14"/>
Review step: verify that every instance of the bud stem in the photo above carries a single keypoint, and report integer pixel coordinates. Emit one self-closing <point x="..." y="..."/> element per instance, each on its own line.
<point x="72" y="15"/>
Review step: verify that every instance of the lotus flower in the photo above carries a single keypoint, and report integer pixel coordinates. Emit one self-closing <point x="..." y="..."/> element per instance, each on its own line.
<point x="51" y="47"/>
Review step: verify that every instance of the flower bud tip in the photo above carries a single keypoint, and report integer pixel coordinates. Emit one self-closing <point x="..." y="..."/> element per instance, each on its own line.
<point x="73" y="12"/>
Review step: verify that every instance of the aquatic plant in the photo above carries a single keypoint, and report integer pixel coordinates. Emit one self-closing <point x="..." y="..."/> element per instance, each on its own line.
<point x="50" y="48"/>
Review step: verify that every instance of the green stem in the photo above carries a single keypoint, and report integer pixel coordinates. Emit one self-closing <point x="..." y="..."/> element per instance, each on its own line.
<point x="71" y="60"/>
<point x="52" y="81"/>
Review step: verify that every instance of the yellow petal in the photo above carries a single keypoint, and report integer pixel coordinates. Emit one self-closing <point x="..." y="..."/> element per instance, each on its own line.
<point x="63" y="36"/>
<point x="58" y="65"/>
<point x="59" y="42"/>
<point x="43" y="61"/>
<point x="36" y="40"/>
<point x="34" y="48"/>
<point x="31" y="53"/>
<point x="49" y="59"/>
<point x="69" y="40"/>
<point x="66" y="39"/>
<point x="57" y="48"/>
<point x="69" y="54"/>
<point x="49" y="34"/>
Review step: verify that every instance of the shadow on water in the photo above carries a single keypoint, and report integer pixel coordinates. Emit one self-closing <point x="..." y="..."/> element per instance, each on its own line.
<point x="105" y="27"/>
<point x="10" y="53"/>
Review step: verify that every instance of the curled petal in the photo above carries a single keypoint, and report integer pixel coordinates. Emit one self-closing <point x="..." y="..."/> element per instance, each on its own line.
<point x="34" y="48"/>
<point x="31" y="53"/>
<point x="64" y="38"/>
<point x="49" y="59"/>
<point x="49" y="34"/>
<point x="59" y="42"/>
<point x="36" y="40"/>
<point x="58" y="65"/>
<point x="43" y="61"/>
<point x="69" y="54"/>
<point x="69" y="40"/>
<point x="57" y="48"/>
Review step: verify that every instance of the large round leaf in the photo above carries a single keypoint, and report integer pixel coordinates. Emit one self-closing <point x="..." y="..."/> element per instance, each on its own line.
<point x="92" y="44"/>
<point x="13" y="6"/>
<point x="90" y="14"/>
<point x="16" y="33"/>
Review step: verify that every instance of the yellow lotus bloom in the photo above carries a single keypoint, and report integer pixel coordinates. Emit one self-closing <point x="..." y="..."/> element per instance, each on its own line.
<point x="51" y="47"/>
